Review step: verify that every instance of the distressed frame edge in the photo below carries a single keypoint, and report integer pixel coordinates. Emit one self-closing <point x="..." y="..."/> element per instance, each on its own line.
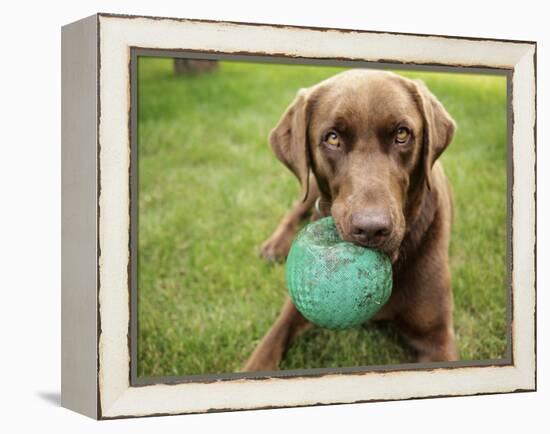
<point x="527" y="65"/>
<point x="529" y="386"/>
<point x="304" y="27"/>
<point x="315" y="404"/>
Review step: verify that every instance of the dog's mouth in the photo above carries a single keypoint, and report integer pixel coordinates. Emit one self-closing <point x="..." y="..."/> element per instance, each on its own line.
<point x="390" y="247"/>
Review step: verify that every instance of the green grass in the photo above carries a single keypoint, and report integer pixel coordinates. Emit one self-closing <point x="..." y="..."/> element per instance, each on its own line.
<point x="210" y="191"/>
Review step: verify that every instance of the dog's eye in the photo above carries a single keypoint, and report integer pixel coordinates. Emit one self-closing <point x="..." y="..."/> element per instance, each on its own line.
<point x="332" y="139"/>
<point x="402" y="135"/>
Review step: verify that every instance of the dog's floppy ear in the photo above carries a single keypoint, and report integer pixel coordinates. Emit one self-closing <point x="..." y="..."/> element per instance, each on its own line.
<point x="289" y="140"/>
<point x="438" y="129"/>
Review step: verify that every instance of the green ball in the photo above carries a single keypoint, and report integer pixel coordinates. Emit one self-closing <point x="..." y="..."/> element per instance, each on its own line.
<point x="334" y="283"/>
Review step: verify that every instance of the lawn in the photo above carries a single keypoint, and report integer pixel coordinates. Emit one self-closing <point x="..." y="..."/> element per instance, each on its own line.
<point x="210" y="191"/>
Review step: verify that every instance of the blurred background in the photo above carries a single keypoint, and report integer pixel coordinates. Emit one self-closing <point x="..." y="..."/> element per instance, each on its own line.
<point x="211" y="191"/>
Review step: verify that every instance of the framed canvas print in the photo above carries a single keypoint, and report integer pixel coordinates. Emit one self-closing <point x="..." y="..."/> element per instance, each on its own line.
<point x="262" y="216"/>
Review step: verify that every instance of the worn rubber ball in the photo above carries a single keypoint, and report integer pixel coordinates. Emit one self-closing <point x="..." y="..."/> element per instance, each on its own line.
<point x="333" y="283"/>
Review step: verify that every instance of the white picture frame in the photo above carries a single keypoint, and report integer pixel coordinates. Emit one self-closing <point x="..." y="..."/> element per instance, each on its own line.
<point x="97" y="332"/>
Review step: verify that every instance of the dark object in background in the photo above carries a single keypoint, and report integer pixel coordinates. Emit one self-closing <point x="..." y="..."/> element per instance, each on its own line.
<point x="194" y="66"/>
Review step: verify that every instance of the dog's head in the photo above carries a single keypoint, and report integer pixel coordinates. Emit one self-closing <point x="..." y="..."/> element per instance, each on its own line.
<point x="370" y="138"/>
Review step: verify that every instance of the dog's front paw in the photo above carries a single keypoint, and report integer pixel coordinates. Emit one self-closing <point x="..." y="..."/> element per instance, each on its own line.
<point x="276" y="247"/>
<point x="261" y="362"/>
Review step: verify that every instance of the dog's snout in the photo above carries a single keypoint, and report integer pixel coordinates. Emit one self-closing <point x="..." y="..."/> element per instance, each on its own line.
<point x="371" y="227"/>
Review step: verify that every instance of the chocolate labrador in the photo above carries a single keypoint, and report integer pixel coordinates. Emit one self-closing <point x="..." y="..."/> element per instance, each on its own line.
<point x="363" y="145"/>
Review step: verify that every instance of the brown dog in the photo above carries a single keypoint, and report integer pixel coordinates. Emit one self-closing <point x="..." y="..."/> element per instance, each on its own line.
<point x="366" y="143"/>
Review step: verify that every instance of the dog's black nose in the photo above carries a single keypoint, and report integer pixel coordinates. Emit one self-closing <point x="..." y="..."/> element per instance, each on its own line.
<point x="371" y="227"/>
